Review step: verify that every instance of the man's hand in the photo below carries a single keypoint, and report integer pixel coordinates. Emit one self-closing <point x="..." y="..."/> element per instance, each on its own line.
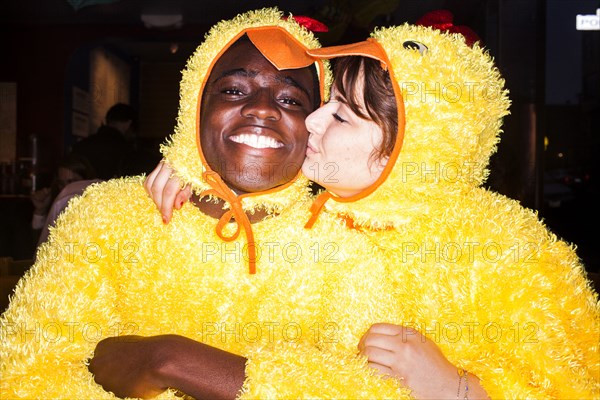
<point x="136" y="366"/>
<point x="129" y="366"/>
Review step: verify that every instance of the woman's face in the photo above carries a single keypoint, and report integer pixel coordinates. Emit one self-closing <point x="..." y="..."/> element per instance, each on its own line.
<point x="340" y="149"/>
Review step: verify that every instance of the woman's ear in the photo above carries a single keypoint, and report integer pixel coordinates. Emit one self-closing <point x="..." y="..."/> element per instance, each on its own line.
<point x="380" y="164"/>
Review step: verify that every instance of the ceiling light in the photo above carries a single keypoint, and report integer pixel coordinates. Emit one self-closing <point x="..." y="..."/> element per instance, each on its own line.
<point x="162" y="21"/>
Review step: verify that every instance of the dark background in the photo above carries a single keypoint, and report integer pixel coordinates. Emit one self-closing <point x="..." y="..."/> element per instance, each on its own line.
<point x="546" y="160"/>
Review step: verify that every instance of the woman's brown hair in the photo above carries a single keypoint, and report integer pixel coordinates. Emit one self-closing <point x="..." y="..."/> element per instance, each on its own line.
<point x="378" y="96"/>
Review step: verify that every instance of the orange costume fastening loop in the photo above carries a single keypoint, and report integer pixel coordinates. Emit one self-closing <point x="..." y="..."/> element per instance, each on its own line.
<point x="222" y="191"/>
<point x="316" y="207"/>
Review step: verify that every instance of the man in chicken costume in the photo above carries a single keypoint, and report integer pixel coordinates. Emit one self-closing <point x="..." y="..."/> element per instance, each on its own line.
<point x="426" y="247"/>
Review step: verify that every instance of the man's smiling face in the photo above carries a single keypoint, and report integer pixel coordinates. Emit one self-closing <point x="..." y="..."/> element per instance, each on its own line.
<point x="252" y="128"/>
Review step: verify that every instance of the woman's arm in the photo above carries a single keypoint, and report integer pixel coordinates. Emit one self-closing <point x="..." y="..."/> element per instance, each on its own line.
<point x="406" y="354"/>
<point x="165" y="190"/>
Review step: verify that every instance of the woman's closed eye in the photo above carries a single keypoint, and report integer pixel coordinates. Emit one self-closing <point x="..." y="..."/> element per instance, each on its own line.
<point x="338" y="118"/>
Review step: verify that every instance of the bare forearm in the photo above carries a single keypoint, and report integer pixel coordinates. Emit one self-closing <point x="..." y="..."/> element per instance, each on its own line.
<point x="137" y="366"/>
<point x="202" y="371"/>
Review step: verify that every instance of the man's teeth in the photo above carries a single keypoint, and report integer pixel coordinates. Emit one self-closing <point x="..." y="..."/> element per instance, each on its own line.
<point x="257" y="141"/>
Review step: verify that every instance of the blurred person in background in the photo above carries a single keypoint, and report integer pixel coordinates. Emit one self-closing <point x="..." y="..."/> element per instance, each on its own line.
<point x="107" y="150"/>
<point x="46" y="201"/>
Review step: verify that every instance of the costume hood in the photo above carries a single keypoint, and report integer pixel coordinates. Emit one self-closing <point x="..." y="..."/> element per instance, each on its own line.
<point x="283" y="42"/>
<point x="451" y="101"/>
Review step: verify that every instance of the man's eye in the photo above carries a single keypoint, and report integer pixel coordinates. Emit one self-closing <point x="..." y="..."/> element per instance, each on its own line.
<point x="233" y="91"/>
<point x="290" y="101"/>
<point x="338" y="118"/>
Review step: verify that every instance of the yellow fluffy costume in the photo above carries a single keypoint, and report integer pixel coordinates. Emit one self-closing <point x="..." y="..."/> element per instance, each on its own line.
<point x="515" y="310"/>
<point x="473" y="270"/>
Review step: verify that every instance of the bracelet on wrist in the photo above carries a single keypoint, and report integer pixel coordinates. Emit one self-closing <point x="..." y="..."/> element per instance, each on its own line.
<point x="463" y="375"/>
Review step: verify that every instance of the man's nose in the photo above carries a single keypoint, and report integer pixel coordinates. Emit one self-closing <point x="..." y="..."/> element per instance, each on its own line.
<point x="262" y="105"/>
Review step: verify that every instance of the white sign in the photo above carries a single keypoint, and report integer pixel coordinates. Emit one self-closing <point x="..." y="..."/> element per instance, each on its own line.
<point x="588" y="22"/>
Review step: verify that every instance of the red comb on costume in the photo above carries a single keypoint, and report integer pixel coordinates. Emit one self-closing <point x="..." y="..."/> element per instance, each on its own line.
<point x="310" y="23"/>
<point x="442" y="20"/>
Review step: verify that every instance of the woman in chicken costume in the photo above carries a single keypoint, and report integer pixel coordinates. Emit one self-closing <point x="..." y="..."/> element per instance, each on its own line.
<point x="469" y="269"/>
<point x="426" y="249"/>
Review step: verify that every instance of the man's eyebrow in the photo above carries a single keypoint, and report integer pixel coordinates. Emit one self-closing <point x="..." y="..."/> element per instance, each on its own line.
<point x="236" y="71"/>
<point x="288" y="80"/>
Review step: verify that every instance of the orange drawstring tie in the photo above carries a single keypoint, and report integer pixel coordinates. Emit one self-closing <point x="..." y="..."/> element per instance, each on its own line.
<point x="316" y="208"/>
<point x="222" y="191"/>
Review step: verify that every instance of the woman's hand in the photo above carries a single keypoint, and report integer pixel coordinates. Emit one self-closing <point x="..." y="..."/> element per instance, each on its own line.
<point x="137" y="366"/>
<point x="409" y="356"/>
<point x="165" y="190"/>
